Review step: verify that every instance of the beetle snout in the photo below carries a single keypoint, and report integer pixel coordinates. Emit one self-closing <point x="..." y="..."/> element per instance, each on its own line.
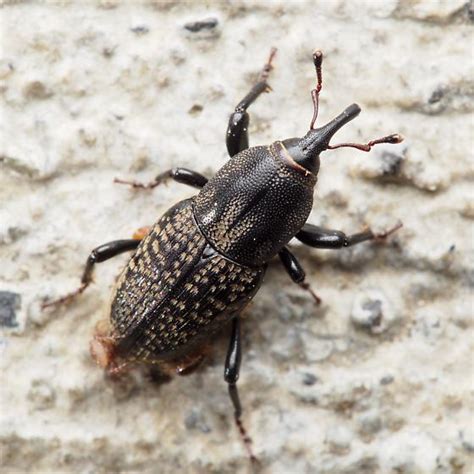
<point x="305" y="151"/>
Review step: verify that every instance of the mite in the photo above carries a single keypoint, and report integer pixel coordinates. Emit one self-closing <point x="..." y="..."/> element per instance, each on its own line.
<point x="197" y="268"/>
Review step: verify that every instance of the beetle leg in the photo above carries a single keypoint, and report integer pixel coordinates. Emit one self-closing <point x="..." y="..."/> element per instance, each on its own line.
<point x="296" y="272"/>
<point x="321" y="238"/>
<point x="237" y="130"/>
<point x="189" y="363"/>
<point x="99" y="254"/>
<point x="181" y="175"/>
<point x="231" y="375"/>
<point x="116" y="370"/>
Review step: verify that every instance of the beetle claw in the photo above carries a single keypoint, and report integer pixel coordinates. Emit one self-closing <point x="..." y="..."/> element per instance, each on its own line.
<point x="307" y="287"/>
<point x="382" y="236"/>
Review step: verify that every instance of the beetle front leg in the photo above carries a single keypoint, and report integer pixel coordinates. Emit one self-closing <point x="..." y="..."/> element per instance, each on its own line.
<point x="237" y="130"/>
<point x="100" y="254"/>
<point x="231" y="375"/>
<point x="180" y="175"/>
<point x="296" y="272"/>
<point x="321" y="238"/>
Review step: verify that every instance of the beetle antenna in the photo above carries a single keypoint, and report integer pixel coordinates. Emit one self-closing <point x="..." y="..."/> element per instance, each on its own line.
<point x="392" y="139"/>
<point x="318" y="61"/>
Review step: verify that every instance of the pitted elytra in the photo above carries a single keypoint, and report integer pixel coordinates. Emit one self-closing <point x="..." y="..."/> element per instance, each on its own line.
<point x="197" y="268"/>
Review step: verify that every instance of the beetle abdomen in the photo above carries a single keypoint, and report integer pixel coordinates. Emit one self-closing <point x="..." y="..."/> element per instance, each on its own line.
<point x="176" y="290"/>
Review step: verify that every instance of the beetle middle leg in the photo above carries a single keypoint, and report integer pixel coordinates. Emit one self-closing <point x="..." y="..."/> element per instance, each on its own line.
<point x="237" y="130"/>
<point x="231" y="375"/>
<point x="321" y="238"/>
<point x="99" y="254"/>
<point x="296" y="272"/>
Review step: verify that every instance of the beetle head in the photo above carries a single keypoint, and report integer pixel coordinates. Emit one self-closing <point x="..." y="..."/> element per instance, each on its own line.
<point x="305" y="151"/>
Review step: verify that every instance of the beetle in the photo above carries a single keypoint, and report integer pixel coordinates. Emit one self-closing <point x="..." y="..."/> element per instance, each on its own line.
<point x="196" y="268"/>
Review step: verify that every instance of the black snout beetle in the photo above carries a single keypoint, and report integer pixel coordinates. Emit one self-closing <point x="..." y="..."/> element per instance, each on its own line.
<point x="204" y="260"/>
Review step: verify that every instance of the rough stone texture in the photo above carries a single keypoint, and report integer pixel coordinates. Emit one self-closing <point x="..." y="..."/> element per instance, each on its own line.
<point x="378" y="379"/>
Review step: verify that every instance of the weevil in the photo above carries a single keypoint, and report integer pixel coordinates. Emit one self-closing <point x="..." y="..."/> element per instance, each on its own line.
<point x="197" y="268"/>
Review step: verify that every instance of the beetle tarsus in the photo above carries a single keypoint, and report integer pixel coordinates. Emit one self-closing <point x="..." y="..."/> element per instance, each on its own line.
<point x="135" y="184"/>
<point x="180" y="175"/>
<point x="117" y="370"/>
<point x="306" y="286"/>
<point x="268" y="66"/>
<point x="382" y="236"/>
<point x="246" y="439"/>
<point x="161" y="178"/>
<point x="66" y="299"/>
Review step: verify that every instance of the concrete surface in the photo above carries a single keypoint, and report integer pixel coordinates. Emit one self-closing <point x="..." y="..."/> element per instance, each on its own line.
<point x="379" y="379"/>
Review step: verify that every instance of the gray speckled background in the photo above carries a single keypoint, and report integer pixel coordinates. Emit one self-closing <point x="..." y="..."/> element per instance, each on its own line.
<point x="93" y="91"/>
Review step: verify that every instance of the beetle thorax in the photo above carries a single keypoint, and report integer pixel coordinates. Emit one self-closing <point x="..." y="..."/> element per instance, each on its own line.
<point x="255" y="204"/>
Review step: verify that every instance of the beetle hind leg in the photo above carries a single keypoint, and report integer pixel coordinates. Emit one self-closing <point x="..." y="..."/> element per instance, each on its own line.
<point x="189" y="363"/>
<point x="231" y="375"/>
